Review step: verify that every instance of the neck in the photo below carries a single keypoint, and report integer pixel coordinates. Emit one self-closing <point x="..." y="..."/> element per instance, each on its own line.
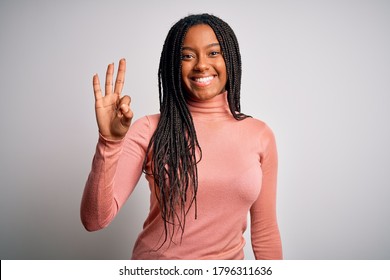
<point x="214" y="108"/>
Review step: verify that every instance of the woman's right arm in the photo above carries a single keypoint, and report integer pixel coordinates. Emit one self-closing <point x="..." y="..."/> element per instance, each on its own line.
<point x="116" y="168"/>
<point x="117" y="164"/>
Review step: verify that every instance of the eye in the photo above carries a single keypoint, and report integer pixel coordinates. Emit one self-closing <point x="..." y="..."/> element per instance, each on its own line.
<point x="214" y="53"/>
<point x="187" y="56"/>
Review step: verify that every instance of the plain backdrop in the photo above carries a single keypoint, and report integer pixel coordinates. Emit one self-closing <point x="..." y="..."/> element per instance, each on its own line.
<point x="317" y="72"/>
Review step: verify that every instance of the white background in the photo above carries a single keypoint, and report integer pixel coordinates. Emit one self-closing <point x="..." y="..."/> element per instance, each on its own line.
<point x="316" y="71"/>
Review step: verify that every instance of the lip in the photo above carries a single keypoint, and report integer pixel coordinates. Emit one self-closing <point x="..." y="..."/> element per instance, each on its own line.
<point x="202" y="81"/>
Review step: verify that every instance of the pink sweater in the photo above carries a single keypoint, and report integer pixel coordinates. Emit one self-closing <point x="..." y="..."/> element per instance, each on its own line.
<point x="237" y="174"/>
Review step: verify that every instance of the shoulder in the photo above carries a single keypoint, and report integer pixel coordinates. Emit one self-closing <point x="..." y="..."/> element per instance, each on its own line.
<point x="264" y="139"/>
<point x="143" y="128"/>
<point x="258" y="127"/>
<point x="153" y="119"/>
<point x="146" y="122"/>
<point x="259" y="133"/>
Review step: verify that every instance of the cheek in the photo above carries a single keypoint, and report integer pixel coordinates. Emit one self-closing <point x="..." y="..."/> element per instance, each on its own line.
<point x="184" y="71"/>
<point x="184" y="78"/>
<point x="222" y="69"/>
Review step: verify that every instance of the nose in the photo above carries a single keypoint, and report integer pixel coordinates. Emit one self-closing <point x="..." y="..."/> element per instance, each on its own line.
<point x="201" y="64"/>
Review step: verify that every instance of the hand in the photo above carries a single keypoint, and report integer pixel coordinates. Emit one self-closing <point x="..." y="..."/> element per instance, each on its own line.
<point x="113" y="113"/>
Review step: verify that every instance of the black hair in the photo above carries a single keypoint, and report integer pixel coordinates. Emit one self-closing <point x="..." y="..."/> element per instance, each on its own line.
<point x="173" y="147"/>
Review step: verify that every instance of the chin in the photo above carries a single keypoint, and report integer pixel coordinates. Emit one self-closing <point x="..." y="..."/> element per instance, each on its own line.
<point x="204" y="96"/>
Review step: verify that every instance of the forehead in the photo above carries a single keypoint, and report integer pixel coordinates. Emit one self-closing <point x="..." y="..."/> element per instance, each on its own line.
<point x="200" y="35"/>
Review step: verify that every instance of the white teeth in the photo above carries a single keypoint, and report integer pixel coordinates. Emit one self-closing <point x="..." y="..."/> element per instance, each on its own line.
<point x="204" y="80"/>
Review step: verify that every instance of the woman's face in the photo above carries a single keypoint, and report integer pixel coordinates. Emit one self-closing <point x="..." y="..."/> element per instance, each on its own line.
<point x="203" y="67"/>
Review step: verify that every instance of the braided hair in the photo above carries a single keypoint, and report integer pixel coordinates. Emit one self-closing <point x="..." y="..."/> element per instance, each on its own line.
<point x="173" y="146"/>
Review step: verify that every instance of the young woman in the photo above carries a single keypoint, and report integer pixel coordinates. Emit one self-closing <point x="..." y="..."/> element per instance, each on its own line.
<point x="207" y="163"/>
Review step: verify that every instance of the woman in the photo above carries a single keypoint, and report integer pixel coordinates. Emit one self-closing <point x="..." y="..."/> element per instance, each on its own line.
<point x="207" y="164"/>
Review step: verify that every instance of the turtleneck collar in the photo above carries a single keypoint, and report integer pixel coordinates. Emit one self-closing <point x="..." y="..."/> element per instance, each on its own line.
<point x="215" y="108"/>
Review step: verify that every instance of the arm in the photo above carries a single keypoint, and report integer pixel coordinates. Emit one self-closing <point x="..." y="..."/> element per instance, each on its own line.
<point x="108" y="184"/>
<point x="116" y="169"/>
<point x="265" y="235"/>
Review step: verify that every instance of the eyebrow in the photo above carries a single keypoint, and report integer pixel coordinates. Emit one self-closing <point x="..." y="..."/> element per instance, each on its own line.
<point x="207" y="47"/>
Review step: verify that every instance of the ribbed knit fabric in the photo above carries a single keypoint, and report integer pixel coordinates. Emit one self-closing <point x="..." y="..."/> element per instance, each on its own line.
<point x="237" y="175"/>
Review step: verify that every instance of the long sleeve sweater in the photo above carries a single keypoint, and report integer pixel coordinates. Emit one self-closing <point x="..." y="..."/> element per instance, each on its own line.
<point x="237" y="174"/>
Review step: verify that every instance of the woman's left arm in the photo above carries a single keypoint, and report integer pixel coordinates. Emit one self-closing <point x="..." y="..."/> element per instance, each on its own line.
<point x="265" y="236"/>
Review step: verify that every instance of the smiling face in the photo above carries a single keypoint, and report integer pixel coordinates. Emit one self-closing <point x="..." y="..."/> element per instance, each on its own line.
<point x="203" y="66"/>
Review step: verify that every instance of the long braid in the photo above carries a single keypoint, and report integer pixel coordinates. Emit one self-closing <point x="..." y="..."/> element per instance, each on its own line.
<point x="173" y="147"/>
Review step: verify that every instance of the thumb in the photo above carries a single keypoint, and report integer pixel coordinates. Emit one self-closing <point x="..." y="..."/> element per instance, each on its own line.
<point x="125" y="113"/>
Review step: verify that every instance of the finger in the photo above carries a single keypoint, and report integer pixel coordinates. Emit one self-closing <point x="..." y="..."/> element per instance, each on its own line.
<point x="127" y="115"/>
<point x="124" y="105"/>
<point x="125" y="111"/>
<point x="120" y="78"/>
<point x="96" y="87"/>
<point x="124" y="100"/>
<point x="109" y="75"/>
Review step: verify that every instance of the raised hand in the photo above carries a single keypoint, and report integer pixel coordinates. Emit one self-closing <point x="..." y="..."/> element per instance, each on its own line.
<point x="113" y="113"/>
